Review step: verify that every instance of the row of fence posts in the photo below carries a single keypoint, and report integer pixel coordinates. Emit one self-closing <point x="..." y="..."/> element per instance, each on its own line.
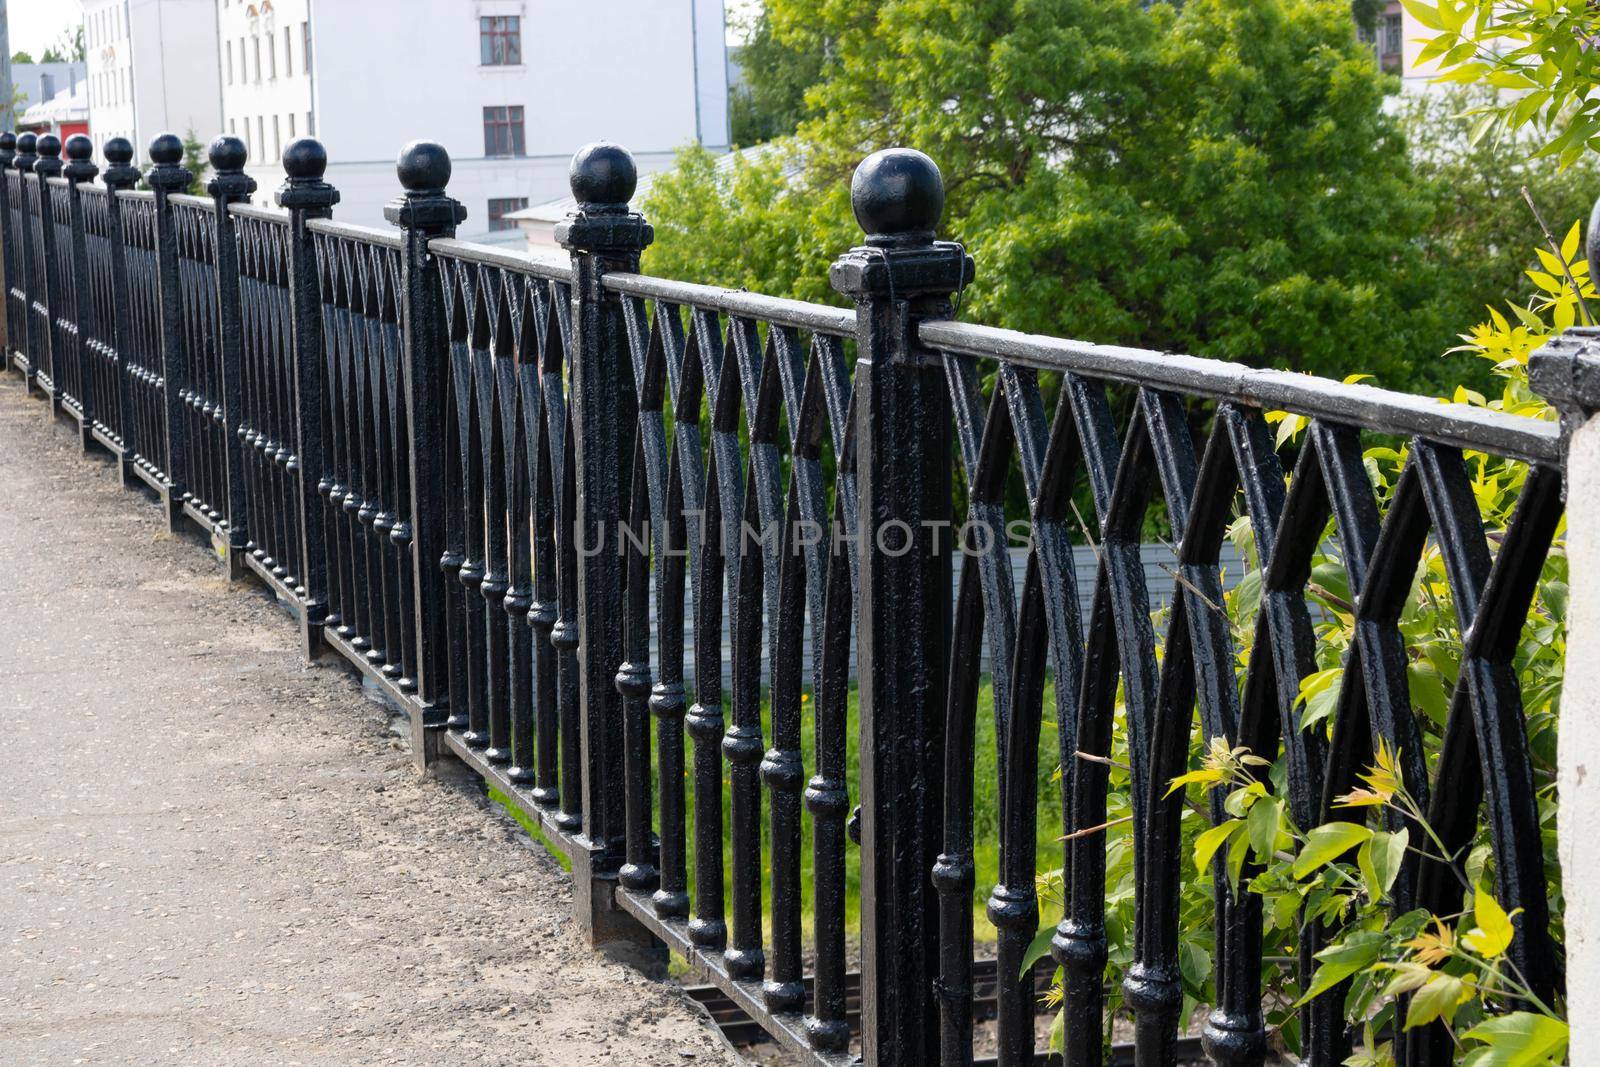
<point x="898" y="278"/>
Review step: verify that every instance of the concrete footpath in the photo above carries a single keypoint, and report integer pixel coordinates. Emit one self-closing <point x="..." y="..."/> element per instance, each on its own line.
<point x="213" y="853"/>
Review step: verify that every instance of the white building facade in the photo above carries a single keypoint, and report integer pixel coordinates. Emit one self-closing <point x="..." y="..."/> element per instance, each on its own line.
<point x="152" y="69"/>
<point x="511" y="88"/>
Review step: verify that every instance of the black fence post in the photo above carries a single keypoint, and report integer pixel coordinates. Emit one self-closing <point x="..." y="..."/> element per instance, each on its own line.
<point x="898" y="278"/>
<point x="306" y="196"/>
<point x="423" y="213"/>
<point x="24" y="161"/>
<point x="80" y="168"/>
<point x="120" y="174"/>
<point x="231" y="185"/>
<point x="8" y="261"/>
<point x="47" y="166"/>
<point x="602" y="236"/>
<point x="168" y="176"/>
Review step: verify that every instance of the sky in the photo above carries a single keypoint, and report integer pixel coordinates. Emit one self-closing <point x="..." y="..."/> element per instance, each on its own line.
<point x="37" y="24"/>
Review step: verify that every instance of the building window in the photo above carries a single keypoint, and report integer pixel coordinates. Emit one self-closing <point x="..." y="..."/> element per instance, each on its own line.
<point x="500" y="208"/>
<point x="288" y="56"/>
<point x="277" y="139"/>
<point x="272" y="57"/>
<point x="291" y="125"/>
<point x="255" y="46"/>
<point x="311" y="124"/>
<point x="500" y="40"/>
<point x="1391" y="35"/>
<point x="261" y="133"/>
<point x="230" y="62"/>
<point x="305" y="47"/>
<point x="502" y="131"/>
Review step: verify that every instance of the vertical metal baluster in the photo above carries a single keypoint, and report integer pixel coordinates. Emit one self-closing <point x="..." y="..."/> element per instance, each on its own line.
<point x="372" y="458"/>
<point x="358" y="502"/>
<point x="634" y="681"/>
<point x="400" y="537"/>
<point x="708" y="929"/>
<point x="547" y="441"/>
<point x="306" y="196"/>
<point x="797" y="589"/>
<point x="388" y="447"/>
<point x="564" y="635"/>
<point x="464" y="372"/>
<point x="495" y="355"/>
<point x="423" y="213"/>
<point x="518" y="379"/>
<point x="678" y="553"/>
<point x="335" y="325"/>
<point x="455" y="526"/>
<point x="827" y="795"/>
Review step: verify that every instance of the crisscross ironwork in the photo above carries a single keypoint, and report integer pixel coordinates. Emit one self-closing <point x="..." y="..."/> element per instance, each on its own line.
<point x="622" y="545"/>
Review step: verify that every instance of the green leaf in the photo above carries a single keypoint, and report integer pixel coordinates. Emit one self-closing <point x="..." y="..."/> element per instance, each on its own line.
<point x="1038" y="949"/>
<point x="1493" y="933"/>
<point x="1380" y="859"/>
<point x="1338" y="962"/>
<point x="1263" y="824"/>
<point x="1520" y="1039"/>
<point x="1438" y="999"/>
<point x="1206" y="845"/>
<point x="1328" y="842"/>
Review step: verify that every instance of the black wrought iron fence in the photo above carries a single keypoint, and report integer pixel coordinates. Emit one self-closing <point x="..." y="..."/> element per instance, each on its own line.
<point x="486" y="478"/>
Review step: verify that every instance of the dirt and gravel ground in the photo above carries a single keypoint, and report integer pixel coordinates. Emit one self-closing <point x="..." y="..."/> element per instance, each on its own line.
<point x="213" y="853"/>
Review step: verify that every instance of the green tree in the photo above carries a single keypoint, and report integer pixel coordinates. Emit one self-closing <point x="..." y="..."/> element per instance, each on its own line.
<point x="68" y="48"/>
<point x="1482" y="227"/>
<point x="1212" y="178"/>
<point x="22" y="57"/>
<point x="776" y="74"/>
<point x="1540" y="54"/>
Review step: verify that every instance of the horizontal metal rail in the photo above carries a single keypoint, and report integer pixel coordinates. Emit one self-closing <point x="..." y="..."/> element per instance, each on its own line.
<point x="835" y="322"/>
<point x="494" y="256"/>
<point x="1355" y="404"/>
<point x="367" y="234"/>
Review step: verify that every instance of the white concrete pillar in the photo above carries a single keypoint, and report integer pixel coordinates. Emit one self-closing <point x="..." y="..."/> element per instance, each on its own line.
<point x="1578" y="757"/>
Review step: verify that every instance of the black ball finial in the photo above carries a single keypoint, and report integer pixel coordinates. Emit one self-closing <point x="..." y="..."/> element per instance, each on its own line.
<point x="49" y="146"/>
<point x="603" y="175"/>
<point x="79" y="148"/>
<point x="8" y="141"/>
<point x="305" y="158"/>
<point x="119" y="150"/>
<point x="27" y="143"/>
<point x="166" y="149"/>
<point x="423" y="167"/>
<point x="897" y="195"/>
<point x="227" y="154"/>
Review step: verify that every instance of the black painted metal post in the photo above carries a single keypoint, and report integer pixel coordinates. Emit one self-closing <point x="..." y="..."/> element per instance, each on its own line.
<point x="231" y="185"/>
<point x="168" y="176"/>
<point x="898" y="278"/>
<point x="80" y="168"/>
<point x="24" y="161"/>
<point x="423" y="213"/>
<point x="8" y="261"/>
<point x="306" y="196"/>
<point x="120" y="174"/>
<point x="47" y="166"/>
<point x="602" y="236"/>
